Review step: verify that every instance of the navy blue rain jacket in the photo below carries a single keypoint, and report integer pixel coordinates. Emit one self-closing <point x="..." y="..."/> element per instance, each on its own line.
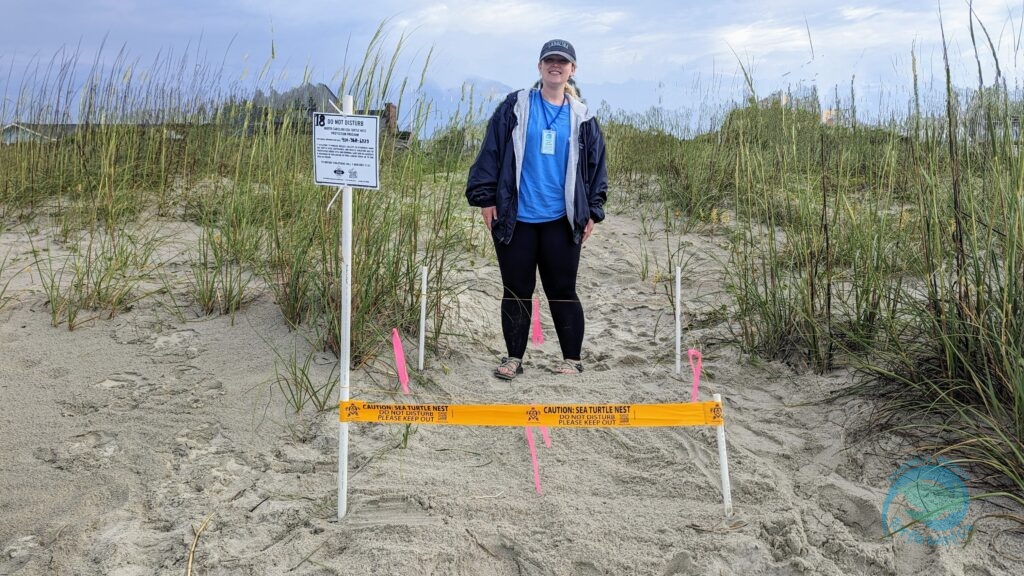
<point x="493" y="178"/>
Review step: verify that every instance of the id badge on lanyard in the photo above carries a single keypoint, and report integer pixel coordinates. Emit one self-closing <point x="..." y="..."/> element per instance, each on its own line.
<point x="547" y="142"/>
<point x="548" y="136"/>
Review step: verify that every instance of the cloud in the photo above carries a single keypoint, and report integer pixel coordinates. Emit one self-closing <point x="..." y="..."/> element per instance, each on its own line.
<point x="601" y="22"/>
<point x="863" y="41"/>
<point x="859" y="12"/>
<point x="763" y="38"/>
<point x="500" y="18"/>
<point x="642" y="41"/>
<point x="300" y="12"/>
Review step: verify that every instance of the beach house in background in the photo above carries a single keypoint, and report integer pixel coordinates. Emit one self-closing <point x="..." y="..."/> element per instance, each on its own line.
<point x="290" y="111"/>
<point x="34" y="132"/>
<point x="303" y="101"/>
<point x="18" y="132"/>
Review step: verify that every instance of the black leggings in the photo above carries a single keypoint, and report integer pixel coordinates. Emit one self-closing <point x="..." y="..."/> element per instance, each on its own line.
<point x="549" y="248"/>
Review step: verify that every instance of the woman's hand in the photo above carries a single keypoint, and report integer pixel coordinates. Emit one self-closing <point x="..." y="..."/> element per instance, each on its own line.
<point x="588" y="229"/>
<point x="489" y="213"/>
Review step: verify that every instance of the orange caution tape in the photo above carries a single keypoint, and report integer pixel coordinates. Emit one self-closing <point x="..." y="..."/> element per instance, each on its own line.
<point x="559" y="415"/>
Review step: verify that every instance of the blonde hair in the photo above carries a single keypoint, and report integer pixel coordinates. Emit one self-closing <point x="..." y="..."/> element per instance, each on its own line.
<point x="570" y="87"/>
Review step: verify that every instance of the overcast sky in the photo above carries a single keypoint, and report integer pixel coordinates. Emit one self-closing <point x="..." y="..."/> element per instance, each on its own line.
<point x="635" y="54"/>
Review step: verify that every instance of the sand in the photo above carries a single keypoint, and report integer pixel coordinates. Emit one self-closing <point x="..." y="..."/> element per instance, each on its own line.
<point x="122" y="437"/>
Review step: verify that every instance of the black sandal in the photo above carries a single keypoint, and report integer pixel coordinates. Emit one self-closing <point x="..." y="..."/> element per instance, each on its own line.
<point x="509" y="368"/>
<point x="569" y="367"/>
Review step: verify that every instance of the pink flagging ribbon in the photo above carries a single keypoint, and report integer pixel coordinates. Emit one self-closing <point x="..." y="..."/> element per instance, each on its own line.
<point x="533" y="457"/>
<point x="537" y="334"/>
<point x="403" y="373"/>
<point x="695" y="364"/>
<point x="547" y="436"/>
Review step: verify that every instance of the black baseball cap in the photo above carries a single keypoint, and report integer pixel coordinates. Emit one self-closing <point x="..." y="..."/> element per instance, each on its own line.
<point x="558" y="48"/>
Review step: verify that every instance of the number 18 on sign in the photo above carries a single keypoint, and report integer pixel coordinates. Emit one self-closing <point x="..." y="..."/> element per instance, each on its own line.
<point x="345" y="151"/>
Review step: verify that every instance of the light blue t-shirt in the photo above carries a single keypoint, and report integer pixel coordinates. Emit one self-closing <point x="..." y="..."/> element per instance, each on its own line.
<point x="542" y="186"/>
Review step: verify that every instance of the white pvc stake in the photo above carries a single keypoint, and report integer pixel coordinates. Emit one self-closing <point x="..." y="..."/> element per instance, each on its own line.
<point x="344" y="343"/>
<point x="723" y="464"/>
<point x="679" y="323"/>
<point x="423" y="315"/>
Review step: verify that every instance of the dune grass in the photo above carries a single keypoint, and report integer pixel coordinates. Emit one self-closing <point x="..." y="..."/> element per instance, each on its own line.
<point x="896" y="250"/>
<point x="176" y="140"/>
<point x="6" y="277"/>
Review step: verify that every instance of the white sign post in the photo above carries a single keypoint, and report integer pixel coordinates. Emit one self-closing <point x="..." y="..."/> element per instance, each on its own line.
<point x="723" y="463"/>
<point x="345" y="153"/>
<point x="679" y="321"/>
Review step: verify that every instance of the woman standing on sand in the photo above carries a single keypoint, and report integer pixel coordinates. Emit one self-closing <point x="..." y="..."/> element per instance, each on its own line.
<point x="540" y="183"/>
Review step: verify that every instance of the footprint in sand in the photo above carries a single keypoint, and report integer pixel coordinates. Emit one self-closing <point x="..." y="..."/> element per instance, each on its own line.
<point x="854" y="509"/>
<point x="514" y="557"/>
<point x="96" y="444"/>
<point x="633" y="359"/>
<point x="129" y="380"/>
<point x="195" y="386"/>
<point x="84" y="452"/>
<point x="176" y="344"/>
<point x="127" y="390"/>
<point x="134" y="330"/>
<point x="391" y="510"/>
<point x="15" y="555"/>
<point x="71" y="409"/>
<point x="682" y="564"/>
<point x="201" y="440"/>
<point x="785" y="537"/>
<point x="193" y="379"/>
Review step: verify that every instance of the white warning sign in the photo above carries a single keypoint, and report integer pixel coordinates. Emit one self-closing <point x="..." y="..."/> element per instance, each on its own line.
<point x="345" y="151"/>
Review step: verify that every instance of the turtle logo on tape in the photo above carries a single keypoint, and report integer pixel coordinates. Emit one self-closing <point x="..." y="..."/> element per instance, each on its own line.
<point x="716" y="412"/>
<point x="352" y="411"/>
<point x="927" y="503"/>
<point x="533" y="415"/>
